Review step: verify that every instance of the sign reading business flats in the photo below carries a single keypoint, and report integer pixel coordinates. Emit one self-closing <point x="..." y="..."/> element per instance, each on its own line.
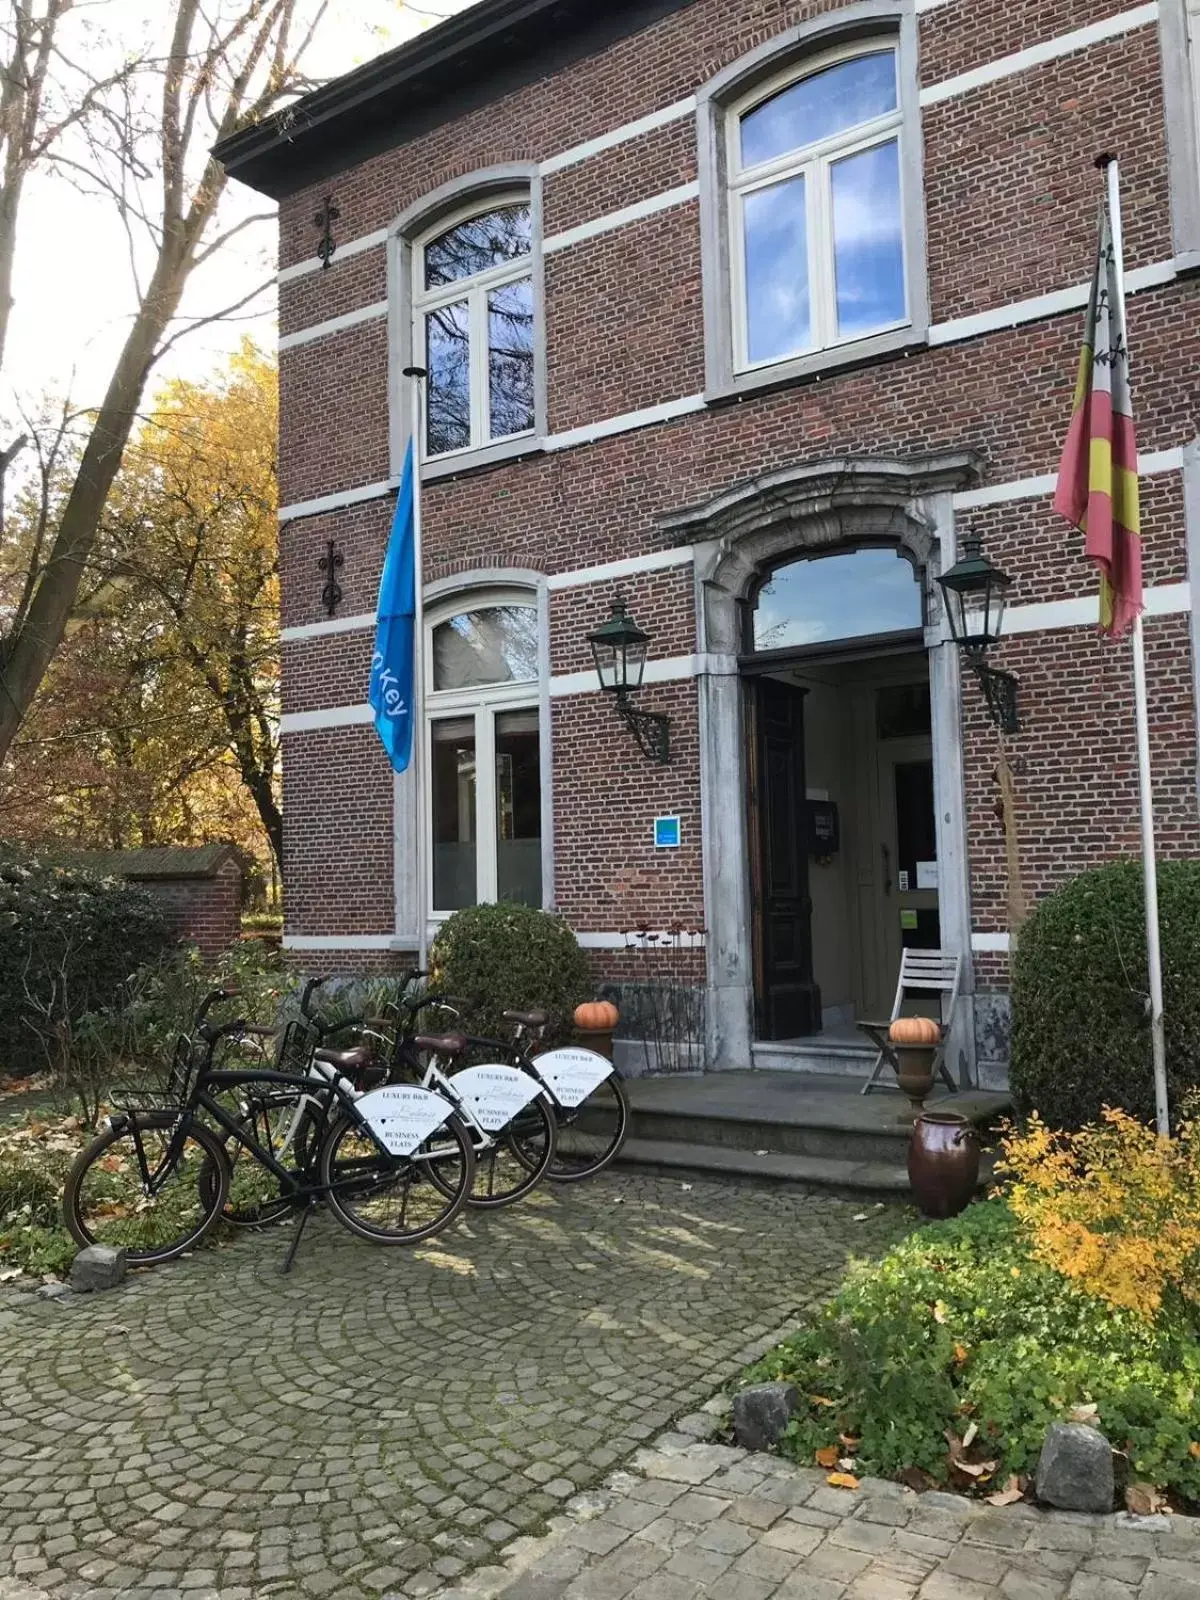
<point x="494" y="1094"/>
<point x="573" y="1073"/>
<point x="402" y="1116"/>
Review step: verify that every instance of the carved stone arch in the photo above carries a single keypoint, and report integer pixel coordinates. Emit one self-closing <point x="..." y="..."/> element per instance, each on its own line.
<point x="813" y="509"/>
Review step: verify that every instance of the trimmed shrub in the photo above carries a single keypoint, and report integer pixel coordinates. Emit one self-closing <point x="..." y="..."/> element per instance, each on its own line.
<point x="1081" y="1026"/>
<point x="69" y="943"/>
<point x="510" y="957"/>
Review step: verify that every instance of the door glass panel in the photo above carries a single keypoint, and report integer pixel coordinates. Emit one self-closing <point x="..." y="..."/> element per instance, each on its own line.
<point x="868" y="240"/>
<point x="778" y="319"/>
<point x="475" y="246"/>
<point x="453" y="814"/>
<point x="916" y="830"/>
<point x="448" y="353"/>
<point x="510" y="358"/>
<point x="496" y="644"/>
<point x="819" y="106"/>
<point x="518" y="808"/>
<point x="903" y="711"/>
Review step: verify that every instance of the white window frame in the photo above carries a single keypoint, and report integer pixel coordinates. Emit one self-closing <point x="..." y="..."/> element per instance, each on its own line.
<point x="814" y="163"/>
<point x="475" y="291"/>
<point x="483" y="703"/>
<point x="1179" y="41"/>
<point x="1193" y="39"/>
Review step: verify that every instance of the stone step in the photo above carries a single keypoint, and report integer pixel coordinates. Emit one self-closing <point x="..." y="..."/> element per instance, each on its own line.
<point x="877" y="1179"/>
<point x="789" y="1115"/>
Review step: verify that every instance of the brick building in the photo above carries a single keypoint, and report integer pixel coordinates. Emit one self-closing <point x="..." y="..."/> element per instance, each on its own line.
<point x="751" y="313"/>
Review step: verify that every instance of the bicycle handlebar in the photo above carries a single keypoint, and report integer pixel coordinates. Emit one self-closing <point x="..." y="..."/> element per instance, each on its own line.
<point x="310" y="988"/>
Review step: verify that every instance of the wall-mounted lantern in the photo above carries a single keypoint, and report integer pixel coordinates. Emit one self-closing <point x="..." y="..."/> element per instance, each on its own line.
<point x="619" y="650"/>
<point x="976" y="593"/>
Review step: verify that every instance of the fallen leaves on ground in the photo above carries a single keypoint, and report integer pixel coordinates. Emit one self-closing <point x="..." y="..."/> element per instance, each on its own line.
<point x="1143" y="1499"/>
<point x="842" y="1480"/>
<point x="1012" y="1491"/>
<point x="827" y="1455"/>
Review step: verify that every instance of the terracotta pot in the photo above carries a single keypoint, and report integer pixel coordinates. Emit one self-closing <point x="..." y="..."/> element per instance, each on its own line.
<point x="598" y="1039"/>
<point x="914" y="1071"/>
<point x="943" y="1163"/>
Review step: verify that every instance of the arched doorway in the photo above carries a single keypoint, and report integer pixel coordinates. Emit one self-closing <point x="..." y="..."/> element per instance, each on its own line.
<point x="741" y="537"/>
<point x="842" y="825"/>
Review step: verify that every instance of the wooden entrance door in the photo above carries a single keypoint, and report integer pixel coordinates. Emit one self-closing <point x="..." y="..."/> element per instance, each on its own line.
<point x="788" y="1001"/>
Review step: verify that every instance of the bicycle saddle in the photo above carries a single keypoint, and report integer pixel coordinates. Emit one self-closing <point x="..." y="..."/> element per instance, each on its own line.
<point x="442" y="1044"/>
<point x="345" y="1061"/>
<point x="527" y="1019"/>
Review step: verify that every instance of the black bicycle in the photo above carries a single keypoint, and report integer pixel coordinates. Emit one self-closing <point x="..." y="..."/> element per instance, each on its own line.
<point x="157" y="1179"/>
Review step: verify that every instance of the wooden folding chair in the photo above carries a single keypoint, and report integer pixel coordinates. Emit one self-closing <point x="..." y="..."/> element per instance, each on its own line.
<point x="919" y="969"/>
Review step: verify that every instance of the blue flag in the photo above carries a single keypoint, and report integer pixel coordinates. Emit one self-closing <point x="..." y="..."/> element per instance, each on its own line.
<point x="392" y="665"/>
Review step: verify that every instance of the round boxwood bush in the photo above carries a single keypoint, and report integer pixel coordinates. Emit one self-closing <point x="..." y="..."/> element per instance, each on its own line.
<point x="1081" y="1025"/>
<point x="69" y="943"/>
<point x="510" y="957"/>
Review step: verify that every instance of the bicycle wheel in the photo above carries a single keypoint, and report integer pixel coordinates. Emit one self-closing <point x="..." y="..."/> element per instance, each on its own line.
<point x="397" y="1199"/>
<point x="254" y="1199"/>
<point x="518" y="1159"/>
<point x="105" y="1200"/>
<point x="591" y="1134"/>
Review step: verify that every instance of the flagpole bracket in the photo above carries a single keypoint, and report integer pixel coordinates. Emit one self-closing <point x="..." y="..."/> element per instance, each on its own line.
<point x="1000" y="692"/>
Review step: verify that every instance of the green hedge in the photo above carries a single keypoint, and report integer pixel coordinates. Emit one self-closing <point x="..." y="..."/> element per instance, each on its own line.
<point x="1081" y="1033"/>
<point x="69" y="943"/>
<point x="510" y="957"/>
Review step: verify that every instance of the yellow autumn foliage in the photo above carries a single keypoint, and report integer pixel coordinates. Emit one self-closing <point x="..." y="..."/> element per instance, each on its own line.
<point x="1114" y="1207"/>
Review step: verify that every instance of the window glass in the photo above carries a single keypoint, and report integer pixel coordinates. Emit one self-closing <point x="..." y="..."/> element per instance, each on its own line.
<point x="448" y="355"/>
<point x="868" y="239"/>
<point x="518" y="808"/>
<point x="777" y="297"/>
<point x="478" y="245"/>
<point x="830" y="102"/>
<point x="453" y="814"/>
<point x="510" y="358"/>
<point x="498" y="644"/>
<point x="827" y="598"/>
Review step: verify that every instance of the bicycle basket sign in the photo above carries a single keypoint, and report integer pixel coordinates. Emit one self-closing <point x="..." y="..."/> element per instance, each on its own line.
<point x="494" y="1094"/>
<point x="573" y="1073"/>
<point x="402" y="1116"/>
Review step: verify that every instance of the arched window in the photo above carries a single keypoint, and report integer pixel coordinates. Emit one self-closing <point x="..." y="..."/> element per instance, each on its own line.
<point x="815" y="190"/>
<point x="823" y="599"/>
<point x="484" y="744"/>
<point x="474" y="316"/>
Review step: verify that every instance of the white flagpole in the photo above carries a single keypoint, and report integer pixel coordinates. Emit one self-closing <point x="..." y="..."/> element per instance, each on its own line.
<point x="417" y="376"/>
<point x="1158" y="1045"/>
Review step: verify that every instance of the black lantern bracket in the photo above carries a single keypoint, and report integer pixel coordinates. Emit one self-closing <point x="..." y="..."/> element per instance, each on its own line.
<point x="651" y="729"/>
<point x="331" y="564"/>
<point x="1000" y="692"/>
<point x="324" y="221"/>
<point x="619" y="650"/>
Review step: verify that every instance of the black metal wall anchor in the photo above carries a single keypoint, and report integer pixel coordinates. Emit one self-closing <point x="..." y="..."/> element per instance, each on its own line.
<point x="331" y="594"/>
<point x="650" y="728"/>
<point x="324" y="221"/>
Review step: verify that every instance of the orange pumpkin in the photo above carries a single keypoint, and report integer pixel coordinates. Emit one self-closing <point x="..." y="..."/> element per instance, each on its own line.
<point x="914" y="1030"/>
<point x="597" y="1016"/>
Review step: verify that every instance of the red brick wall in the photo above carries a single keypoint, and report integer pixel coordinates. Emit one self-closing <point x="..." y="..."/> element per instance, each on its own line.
<point x="205" y="912"/>
<point x="1011" y="205"/>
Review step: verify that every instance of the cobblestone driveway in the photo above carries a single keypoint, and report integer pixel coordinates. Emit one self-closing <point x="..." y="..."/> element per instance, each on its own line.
<point x="383" y="1420"/>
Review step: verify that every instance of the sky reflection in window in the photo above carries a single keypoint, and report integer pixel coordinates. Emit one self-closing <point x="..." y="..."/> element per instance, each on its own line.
<point x="777" y="293"/>
<point x="868" y="244"/>
<point x="829" y="102"/>
<point x="847" y="596"/>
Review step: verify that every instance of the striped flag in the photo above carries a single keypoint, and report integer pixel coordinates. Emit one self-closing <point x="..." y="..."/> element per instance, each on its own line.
<point x="1098" y="477"/>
